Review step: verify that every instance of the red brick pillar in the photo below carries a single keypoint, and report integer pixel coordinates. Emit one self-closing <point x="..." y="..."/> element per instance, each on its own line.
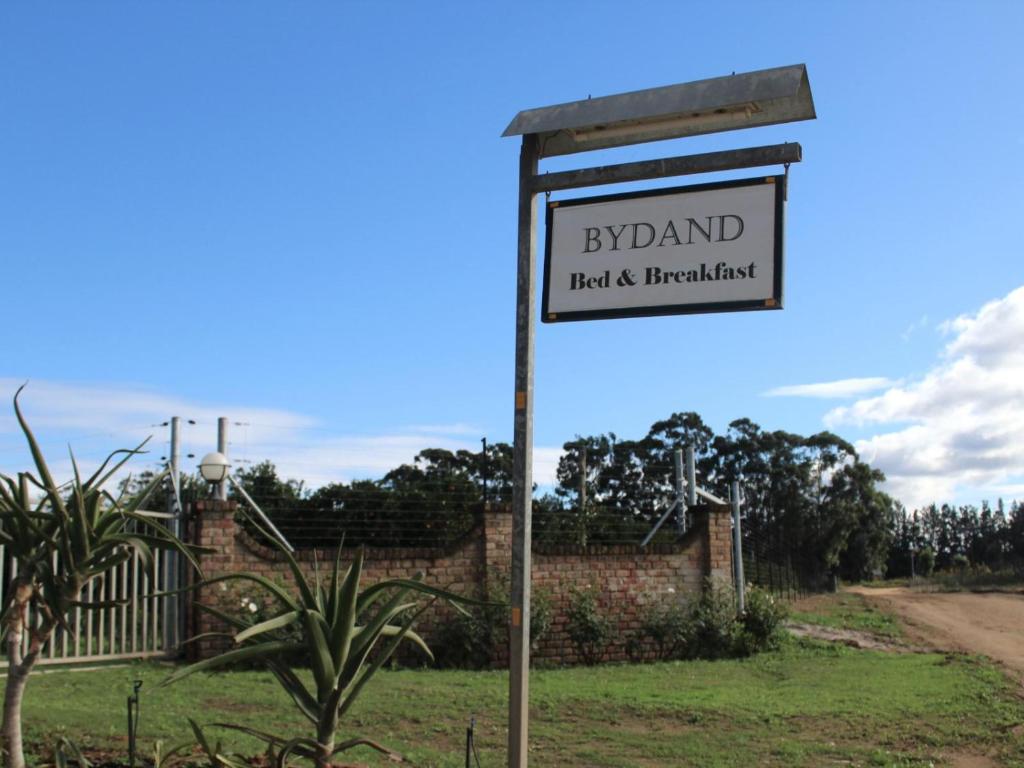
<point x="497" y="525"/>
<point x="497" y="563"/>
<point x="215" y="529"/>
<point x="719" y="543"/>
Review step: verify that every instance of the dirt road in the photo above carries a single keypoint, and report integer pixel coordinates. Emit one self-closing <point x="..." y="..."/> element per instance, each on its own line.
<point x="988" y="623"/>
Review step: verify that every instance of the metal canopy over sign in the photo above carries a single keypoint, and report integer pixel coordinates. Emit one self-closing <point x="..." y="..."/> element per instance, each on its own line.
<point x="701" y="248"/>
<point x="765" y="97"/>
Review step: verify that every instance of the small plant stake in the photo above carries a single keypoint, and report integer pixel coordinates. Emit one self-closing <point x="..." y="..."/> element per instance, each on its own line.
<point x="133" y="720"/>
<point x="471" y="744"/>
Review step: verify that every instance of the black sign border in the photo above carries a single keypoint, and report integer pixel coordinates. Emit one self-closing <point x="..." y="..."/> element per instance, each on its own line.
<point x="774" y="302"/>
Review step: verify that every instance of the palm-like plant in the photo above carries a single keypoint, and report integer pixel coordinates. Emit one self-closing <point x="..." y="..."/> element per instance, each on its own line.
<point x="343" y="634"/>
<point x="62" y="542"/>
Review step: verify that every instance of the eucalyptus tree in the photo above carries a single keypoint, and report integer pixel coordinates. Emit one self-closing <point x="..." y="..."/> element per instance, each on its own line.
<point x="676" y="433"/>
<point x="860" y="520"/>
<point x="63" y="536"/>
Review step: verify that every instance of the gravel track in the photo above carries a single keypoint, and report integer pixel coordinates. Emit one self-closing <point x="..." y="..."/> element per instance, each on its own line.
<point x="989" y="623"/>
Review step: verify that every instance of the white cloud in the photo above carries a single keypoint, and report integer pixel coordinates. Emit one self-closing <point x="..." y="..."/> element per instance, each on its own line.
<point x="831" y="389"/>
<point x="94" y="420"/>
<point x="545" y="464"/>
<point x="958" y="426"/>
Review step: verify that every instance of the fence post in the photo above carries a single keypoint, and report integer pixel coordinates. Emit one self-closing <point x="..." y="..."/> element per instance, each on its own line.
<point x="483" y="466"/>
<point x="681" y="508"/>
<point x="737" y="546"/>
<point x="221" y="492"/>
<point x="582" y="496"/>
<point x="173" y="603"/>
<point x="691" y="477"/>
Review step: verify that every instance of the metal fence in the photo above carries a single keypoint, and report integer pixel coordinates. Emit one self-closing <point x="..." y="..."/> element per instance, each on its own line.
<point x="135" y="622"/>
<point x="773" y="563"/>
<point x="614" y="503"/>
<point x="439" y="513"/>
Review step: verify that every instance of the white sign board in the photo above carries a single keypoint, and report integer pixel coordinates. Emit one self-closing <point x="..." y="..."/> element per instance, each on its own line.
<point x="703" y="248"/>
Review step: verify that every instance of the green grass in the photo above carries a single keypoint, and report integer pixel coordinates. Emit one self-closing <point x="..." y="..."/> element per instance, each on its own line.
<point x="847" y="611"/>
<point x="808" y="704"/>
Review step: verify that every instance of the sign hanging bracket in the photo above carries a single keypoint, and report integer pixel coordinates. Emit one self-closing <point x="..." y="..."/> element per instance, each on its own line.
<point x="684" y="165"/>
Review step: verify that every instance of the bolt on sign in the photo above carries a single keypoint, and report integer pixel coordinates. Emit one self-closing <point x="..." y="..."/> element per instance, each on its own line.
<point x="699" y="248"/>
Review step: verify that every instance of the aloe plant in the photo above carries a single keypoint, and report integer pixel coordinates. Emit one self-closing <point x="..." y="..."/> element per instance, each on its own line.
<point x="337" y="628"/>
<point x="184" y="754"/>
<point x="69" y="536"/>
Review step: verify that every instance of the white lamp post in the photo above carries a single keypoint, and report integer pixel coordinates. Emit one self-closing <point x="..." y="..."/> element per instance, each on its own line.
<point x="214" y="469"/>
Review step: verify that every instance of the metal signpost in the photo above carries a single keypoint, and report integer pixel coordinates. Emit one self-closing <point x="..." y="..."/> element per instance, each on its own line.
<point x="674" y="252"/>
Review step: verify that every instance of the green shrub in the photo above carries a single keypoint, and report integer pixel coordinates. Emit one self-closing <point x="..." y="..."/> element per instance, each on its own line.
<point x="925" y="562"/>
<point x="713" y="627"/>
<point x="542" y="613"/>
<point x="469" y="640"/>
<point x="664" y="631"/>
<point x="760" y="625"/>
<point x="707" y="627"/>
<point x="472" y="639"/>
<point x="589" y="629"/>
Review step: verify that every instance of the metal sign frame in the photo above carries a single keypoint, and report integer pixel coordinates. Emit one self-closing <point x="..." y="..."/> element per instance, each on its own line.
<point x="728" y="103"/>
<point x="769" y="302"/>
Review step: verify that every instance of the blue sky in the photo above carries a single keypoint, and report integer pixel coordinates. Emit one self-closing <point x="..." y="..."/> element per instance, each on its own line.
<point x="302" y="217"/>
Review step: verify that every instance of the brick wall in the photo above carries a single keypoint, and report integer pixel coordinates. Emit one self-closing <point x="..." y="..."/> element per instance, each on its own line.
<point x="628" y="578"/>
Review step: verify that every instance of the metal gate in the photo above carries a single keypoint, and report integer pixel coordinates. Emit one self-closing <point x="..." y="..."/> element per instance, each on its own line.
<point x="138" y="623"/>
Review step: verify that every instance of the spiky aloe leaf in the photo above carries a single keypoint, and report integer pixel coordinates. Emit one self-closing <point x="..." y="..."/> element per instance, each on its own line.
<point x="260" y="652"/>
<point x="172" y="756"/>
<point x="270" y="625"/>
<point x="65" y="751"/>
<point x="295" y="688"/>
<point x="346" y="599"/>
<point x="270" y="738"/>
<point x="99" y="478"/>
<point x="10" y="494"/>
<point x="32" y="525"/>
<point x="166" y="540"/>
<point x="364" y="640"/>
<point x="214" y="754"/>
<point x="319" y="654"/>
<point x="227" y="618"/>
<point x="275" y="590"/>
<point x="200" y="737"/>
<point x="48" y="485"/>
<point x="317" y="588"/>
<point x="300" y="746"/>
<point x="417" y="584"/>
<point x="136" y="502"/>
<point x="333" y="604"/>
<point x="137" y="546"/>
<point x="352" y="691"/>
<point x="410" y="636"/>
<point x="108" y="562"/>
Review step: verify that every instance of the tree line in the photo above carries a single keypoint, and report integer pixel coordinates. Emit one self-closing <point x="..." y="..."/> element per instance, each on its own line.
<point x="810" y="504"/>
<point x="951" y="537"/>
<point x="809" y="500"/>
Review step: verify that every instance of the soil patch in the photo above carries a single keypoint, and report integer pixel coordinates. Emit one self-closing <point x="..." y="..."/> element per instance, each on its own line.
<point x="852" y="637"/>
<point x="990" y="623"/>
